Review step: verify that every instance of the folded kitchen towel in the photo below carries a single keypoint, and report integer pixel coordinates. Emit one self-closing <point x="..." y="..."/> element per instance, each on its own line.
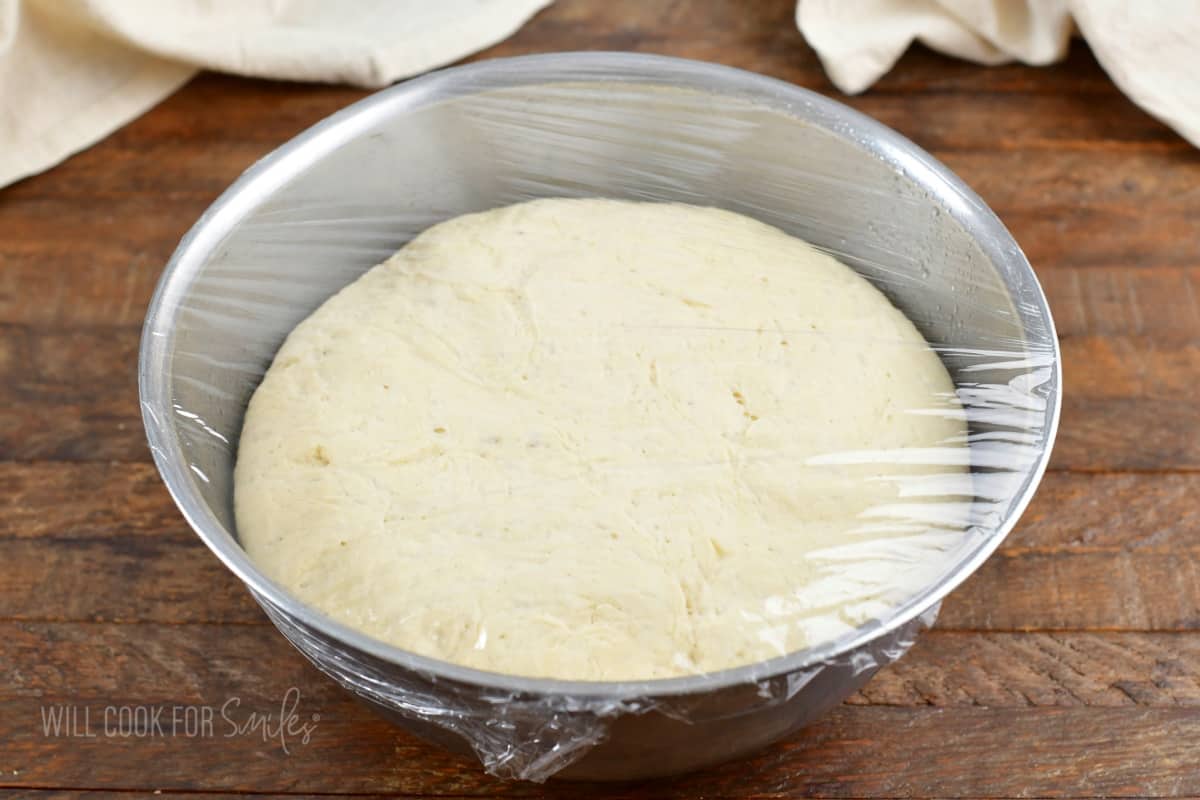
<point x="1150" y="49"/>
<point x="72" y="71"/>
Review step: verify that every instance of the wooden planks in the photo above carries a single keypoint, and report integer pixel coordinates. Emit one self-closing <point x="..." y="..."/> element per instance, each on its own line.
<point x="998" y="670"/>
<point x="1130" y="340"/>
<point x="72" y="395"/>
<point x="1135" y="534"/>
<point x="1137" y="212"/>
<point x="156" y="663"/>
<point x="1114" y="235"/>
<point x="1065" y="667"/>
<point x="855" y="751"/>
<point x="1067" y="209"/>
<point x="1079" y="591"/>
<point x="936" y="711"/>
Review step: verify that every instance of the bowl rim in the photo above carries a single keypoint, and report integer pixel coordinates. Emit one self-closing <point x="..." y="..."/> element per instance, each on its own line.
<point x="258" y="183"/>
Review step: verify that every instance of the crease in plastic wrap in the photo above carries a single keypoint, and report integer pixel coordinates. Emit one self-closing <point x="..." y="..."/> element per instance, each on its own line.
<point x="520" y="736"/>
<point x="367" y="187"/>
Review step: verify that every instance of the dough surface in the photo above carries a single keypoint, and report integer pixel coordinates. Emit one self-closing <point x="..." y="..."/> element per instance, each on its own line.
<point x="603" y="440"/>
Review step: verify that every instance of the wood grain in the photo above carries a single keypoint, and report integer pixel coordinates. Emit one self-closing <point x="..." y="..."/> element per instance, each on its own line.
<point x="154" y="664"/>
<point x="1042" y="669"/>
<point x="1111" y="513"/>
<point x="71" y="394"/>
<point x="1135" y="534"/>
<point x="1066" y="667"/>
<point x="1068" y="209"/>
<point x="1161" y="304"/>
<point x="1035" y="591"/>
<point x="127" y="580"/>
<point x="1137" y="212"/>
<point x="855" y="751"/>
<point x="1053" y="688"/>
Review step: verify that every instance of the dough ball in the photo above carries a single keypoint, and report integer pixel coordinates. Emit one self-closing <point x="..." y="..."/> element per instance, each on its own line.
<point x="602" y="440"/>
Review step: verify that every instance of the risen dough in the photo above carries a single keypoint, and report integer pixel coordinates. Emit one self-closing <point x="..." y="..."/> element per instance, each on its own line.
<point x="601" y="440"/>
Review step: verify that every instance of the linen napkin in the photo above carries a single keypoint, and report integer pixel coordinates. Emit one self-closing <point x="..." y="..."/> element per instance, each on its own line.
<point x="72" y="71"/>
<point x="1151" y="49"/>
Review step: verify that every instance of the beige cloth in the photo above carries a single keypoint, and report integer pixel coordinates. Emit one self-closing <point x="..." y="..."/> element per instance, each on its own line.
<point x="72" y="71"/>
<point x="1150" y="49"/>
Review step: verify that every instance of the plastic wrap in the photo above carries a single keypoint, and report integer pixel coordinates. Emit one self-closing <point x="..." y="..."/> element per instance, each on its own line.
<point x="533" y="736"/>
<point x="314" y="216"/>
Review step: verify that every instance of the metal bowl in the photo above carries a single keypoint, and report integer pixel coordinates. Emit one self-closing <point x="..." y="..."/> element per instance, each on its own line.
<point x="339" y="198"/>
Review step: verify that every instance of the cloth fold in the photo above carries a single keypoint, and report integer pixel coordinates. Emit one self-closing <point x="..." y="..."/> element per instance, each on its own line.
<point x="1151" y="50"/>
<point x="72" y="71"/>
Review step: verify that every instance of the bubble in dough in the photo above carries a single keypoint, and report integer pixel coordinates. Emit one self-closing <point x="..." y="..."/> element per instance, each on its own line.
<point x="601" y="440"/>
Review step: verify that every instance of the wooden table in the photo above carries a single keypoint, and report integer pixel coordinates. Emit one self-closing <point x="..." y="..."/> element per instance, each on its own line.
<point x="1068" y="666"/>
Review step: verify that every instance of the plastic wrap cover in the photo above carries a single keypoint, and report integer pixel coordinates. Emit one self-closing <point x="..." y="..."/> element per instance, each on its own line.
<point x="314" y="217"/>
<point x="525" y="736"/>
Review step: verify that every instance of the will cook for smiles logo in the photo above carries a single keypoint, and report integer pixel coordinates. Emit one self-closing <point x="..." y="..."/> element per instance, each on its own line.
<point x="286" y="727"/>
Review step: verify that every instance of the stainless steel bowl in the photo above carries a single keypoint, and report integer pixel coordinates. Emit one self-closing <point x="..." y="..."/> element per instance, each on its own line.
<point x="326" y="206"/>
